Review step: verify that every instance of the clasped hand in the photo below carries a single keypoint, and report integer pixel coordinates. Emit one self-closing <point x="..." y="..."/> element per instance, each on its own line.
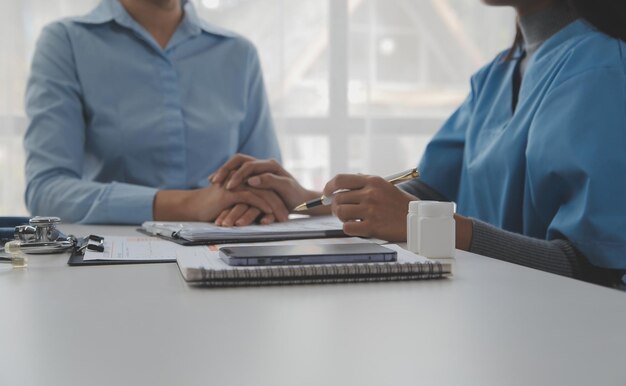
<point x="205" y="204"/>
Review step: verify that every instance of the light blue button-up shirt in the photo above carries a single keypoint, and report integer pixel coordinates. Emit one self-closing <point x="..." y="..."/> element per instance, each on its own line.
<point x="114" y="117"/>
<point x="554" y="168"/>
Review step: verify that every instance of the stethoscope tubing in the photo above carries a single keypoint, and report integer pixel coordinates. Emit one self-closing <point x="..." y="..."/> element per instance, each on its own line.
<point x="7" y="227"/>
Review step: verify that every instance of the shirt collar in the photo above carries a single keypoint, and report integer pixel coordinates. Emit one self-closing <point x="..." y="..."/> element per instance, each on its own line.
<point x="574" y="29"/>
<point x="191" y="16"/>
<point x="105" y="12"/>
<point x="112" y="10"/>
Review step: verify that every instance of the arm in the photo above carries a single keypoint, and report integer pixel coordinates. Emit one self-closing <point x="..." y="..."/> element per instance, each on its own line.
<point x="257" y="136"/>
<point x="440" y="166"/>
<point x="55" y="140"/>
<point x="576" y="164"/>
<point x="558" y="256"/>
<point x="555" y="256"/>
<point x="421" y="190"/>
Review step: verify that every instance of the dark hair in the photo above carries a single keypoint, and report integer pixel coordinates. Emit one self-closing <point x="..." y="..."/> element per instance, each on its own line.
<point x="608" y="16"/>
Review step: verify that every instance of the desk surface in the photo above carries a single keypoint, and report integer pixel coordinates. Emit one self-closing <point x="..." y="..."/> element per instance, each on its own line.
<point x="494" y="323"/>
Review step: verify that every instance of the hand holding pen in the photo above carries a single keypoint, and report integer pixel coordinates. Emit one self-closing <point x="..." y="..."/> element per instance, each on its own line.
<point x="327" y="200"/>
<point x="370" y="206"/>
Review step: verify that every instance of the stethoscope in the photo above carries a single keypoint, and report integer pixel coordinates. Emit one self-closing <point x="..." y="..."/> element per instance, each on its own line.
<point x="37" y="235"/>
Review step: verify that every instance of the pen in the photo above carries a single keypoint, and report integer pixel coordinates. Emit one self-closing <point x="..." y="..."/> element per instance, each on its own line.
<point x="326" y="200"/>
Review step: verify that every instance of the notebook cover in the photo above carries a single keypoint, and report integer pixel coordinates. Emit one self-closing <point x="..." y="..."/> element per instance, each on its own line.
<point x="76" y="259"/>
<point x="248" y="239"/>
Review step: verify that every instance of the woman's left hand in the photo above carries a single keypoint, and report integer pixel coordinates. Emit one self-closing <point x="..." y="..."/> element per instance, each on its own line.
<point x="372" y="207"/>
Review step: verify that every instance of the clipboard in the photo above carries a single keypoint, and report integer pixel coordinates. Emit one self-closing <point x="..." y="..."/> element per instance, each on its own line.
<point x="317" y="227"/>
<point x="76" y="258"/>
<point x="248" y="239"/>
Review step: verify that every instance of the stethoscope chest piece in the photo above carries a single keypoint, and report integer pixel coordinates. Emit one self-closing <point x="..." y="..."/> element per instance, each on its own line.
<point x="40" y="236"/>
<point x="40" y="229"/>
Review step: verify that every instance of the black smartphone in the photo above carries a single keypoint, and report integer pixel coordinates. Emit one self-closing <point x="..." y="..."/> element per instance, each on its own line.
<point x="306" y="254"/>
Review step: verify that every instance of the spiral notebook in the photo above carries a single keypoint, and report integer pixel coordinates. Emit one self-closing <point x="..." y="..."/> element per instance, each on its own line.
<point x="205" y="268"/>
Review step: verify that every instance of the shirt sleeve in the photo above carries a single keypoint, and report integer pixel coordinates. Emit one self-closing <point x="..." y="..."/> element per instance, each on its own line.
<point x="55" y="146"/>
<point x="421" y="190"/>
<point x="258" y="137"/>
<point x="555" y="256"/>
<point x="576" y="164"/>
<point x="441" y="164"/>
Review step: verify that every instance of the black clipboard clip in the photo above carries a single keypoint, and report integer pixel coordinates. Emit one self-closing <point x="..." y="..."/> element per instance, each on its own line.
<point x="92" y="243"/>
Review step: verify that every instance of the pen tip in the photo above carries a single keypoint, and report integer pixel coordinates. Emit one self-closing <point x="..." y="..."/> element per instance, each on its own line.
<point x="300" y="208"/>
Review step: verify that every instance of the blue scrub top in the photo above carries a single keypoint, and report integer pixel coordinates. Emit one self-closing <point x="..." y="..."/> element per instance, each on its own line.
<point x="114" y="117"/>
<point x="555" y="168"/>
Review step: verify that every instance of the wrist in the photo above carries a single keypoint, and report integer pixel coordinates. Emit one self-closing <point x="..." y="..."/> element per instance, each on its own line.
<point x="464" y="230"/>
<point x="172" y="205"/>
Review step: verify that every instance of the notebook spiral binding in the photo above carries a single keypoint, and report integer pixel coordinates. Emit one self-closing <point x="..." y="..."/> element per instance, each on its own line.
<point x="319" y="274"/>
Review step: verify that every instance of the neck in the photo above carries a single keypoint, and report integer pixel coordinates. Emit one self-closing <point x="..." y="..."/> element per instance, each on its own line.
<point x="159" y="17"/>
<point x="539" y="26"/>
<point x="530" y="7"/>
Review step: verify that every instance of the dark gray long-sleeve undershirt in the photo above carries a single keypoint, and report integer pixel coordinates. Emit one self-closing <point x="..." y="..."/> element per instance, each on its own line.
<point x="556" y="256"/>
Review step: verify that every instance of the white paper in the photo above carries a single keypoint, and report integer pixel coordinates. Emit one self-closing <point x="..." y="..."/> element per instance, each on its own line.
<point x="136" y="248"/>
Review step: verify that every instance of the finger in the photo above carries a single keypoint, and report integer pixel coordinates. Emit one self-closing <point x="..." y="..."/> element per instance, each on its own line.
<point x="345" y="181"/>
<point x="347" y="213"/>
<point x="228" y="177"/>
<point x="232" y="164"/>
<point x="252" y="199"/>
<point x="349" y="197"/>
<point x="280" y="184"/>
<point x="279" y="209"/>
<point x="234" y="215"/>
<point x="222" y="216"/>
<point x="248" y="217"/>
<point x="253" y="168"/>
<point x="268" y="219"/>
<point x="358" y="228"/>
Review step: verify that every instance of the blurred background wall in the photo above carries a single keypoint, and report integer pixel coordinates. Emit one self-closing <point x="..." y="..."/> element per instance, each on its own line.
<point x="355" y="85"/>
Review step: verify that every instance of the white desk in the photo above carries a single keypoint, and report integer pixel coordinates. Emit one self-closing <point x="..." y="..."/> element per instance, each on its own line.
<point x="494" y="323"/>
